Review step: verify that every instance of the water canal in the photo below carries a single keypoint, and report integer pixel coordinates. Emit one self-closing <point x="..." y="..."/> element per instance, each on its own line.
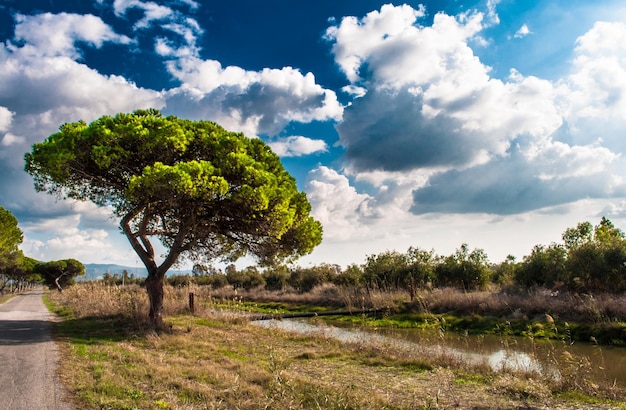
<point x="601" y="363"/>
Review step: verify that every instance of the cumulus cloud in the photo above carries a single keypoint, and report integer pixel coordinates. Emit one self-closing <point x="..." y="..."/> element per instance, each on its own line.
<point x="521" y="182"/>
<point x="6" y="117"/>
<point x="296" y="146"/>
<point x="341" y="210"/>
<point x="254" y="102"/>
<point x="593" y="96"/>
<point x="483" y="144"/>
<point x="430" y="101"/>
<point x="65" y="238"/>
<point x="50" y="34"/>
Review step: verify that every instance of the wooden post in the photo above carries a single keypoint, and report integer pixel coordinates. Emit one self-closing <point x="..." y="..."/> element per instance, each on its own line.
<point x="192" y="307"/>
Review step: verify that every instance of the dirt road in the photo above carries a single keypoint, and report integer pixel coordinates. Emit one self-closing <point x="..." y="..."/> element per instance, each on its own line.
<point x="28" y="356"/>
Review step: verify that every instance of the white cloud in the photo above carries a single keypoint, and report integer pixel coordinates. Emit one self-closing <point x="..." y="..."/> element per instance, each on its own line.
<point x="594" y="95"/>
<point x="522" y="31"/>
<point x="65" y="239"/>
<point x="254" y="102"/>
<point x="11" y="139"/>
<point x="6" y="116"/>
<point x="185" y="29"/>
<point x="152" y="11"/>
<point x="296" y="146"/>
<point x="50" y="34"/>
<point x="43" y="87"/>
<point x="355" y="40"/>
<point x="395" y="50"/>
<point x="336" y="204"/>
<point x="491" y="11"/>
<point x="479" y="144"/>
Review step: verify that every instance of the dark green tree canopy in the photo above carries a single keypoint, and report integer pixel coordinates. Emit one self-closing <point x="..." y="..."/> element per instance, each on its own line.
<point x="204" y="192"/>
<point x="200" y="189"/>
<point x="61" y="273"/>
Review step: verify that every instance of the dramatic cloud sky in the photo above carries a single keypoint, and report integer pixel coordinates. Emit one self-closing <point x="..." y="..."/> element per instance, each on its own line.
<point x="495" y="123"/>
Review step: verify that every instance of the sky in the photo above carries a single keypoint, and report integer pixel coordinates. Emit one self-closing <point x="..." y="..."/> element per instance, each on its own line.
<point x="492" y="123"/>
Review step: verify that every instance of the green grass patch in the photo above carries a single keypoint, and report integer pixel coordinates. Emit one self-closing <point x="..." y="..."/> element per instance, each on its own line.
<point x="578" y="397"/>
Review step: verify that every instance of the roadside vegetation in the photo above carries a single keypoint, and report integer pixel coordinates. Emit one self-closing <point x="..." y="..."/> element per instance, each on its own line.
<point x="216" y="358"/>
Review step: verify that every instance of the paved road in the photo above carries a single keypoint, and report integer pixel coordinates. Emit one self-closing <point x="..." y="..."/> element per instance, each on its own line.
<point x="28" y="356"/>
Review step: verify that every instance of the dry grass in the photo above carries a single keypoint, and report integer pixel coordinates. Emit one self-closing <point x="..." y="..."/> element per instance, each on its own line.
<point x="326" y="295"/>
<point x="216" y="360"/>
<point x="538" y="302"/>
<point x="506" y="304"/>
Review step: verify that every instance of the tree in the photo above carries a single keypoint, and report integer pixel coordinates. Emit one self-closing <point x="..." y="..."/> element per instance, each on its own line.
<point x="545" y="266"/>
<point x="204" y="192"/>
<point x="60" y="273"/>
<point x="605" y="232"/>
<point x="464" y="269"/>
<point x="384" y="271"/>
<point x="576" y="237"/>
<point x="598" y="264"/>
<point x="420" y="269"/>
<point x="10" y="239"/>
<point x="10" y="256"/>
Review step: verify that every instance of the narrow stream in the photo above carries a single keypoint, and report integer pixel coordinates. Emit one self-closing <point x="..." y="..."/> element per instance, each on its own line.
<point x="601" y="363"/>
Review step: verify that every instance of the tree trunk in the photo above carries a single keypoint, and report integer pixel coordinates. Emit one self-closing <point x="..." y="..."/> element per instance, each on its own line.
<point x="56" y="282"/>
<point x="154" y="287"/>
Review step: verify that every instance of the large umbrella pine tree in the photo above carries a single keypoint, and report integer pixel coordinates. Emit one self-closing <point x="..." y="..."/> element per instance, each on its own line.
<point x="204" y="192"/>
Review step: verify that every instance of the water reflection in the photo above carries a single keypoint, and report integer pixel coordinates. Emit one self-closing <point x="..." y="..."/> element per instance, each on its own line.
<point x="509" y="353"/>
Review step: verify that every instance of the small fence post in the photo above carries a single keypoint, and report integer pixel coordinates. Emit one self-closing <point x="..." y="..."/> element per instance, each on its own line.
<point x="192" y="307"/>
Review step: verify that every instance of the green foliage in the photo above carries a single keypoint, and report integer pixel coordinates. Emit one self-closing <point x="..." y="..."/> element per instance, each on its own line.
<point x="305" y="279"/>
<point x="10" y="238"/>
<point x="385" y="271"/>
<point x="125" y="278"/>
<point x="202" y="191"/>
<point x="276" y="278"/>
<point x="545" y="266"/>
<point x="61" y="273"/>
<point x="575" y="237"/>
<point x="352" y="276"/>
<point x="464" y="269"/>
<point x="504" y="273"/>
<point x="247" y="278"/>
<point x="591" y="259"/>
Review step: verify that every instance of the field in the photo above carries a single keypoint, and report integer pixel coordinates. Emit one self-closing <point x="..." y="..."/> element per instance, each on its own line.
<point x="216" y="359"/>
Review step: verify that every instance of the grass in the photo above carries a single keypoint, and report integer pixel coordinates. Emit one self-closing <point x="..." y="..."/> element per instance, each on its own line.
<point x="5" y="297"/>
<point x="216" y="359"/>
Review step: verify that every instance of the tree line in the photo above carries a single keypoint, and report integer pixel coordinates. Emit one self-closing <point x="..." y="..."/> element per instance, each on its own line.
<point x="589" y="259"/>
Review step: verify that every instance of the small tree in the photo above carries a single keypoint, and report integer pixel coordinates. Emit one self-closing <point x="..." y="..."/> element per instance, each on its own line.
<point x="545" y="266"/>
<point x="464" y="269"/>
<point x="60" y="273"/>
<point x="276" y="277"/>
<point x="204" y="192"/>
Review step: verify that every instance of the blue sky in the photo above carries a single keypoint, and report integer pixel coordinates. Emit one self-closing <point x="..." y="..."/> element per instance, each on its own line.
<point x="495" y="123"/>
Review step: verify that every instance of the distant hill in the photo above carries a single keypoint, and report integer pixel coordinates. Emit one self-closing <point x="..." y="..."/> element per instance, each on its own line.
<point x="95" y="271"/>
